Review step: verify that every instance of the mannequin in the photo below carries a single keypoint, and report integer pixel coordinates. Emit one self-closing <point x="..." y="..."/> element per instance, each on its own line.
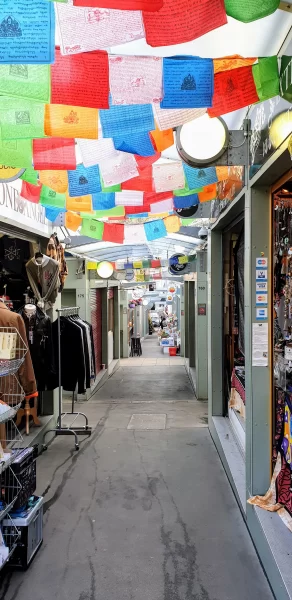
<point x="30" y="310"/>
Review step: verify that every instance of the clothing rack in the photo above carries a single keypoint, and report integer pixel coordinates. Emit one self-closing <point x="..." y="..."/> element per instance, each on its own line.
<point x="67" y="430"/>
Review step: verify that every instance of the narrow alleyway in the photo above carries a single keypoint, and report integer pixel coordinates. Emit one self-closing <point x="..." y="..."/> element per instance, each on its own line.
<point x="144" y="510"/>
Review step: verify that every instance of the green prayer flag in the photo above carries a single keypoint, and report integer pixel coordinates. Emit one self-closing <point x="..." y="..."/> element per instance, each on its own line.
<point x="117" y="211"/>
<point x="30" y="175"/>
<point x="266" y="77"/>
<point x="26" y="81"/>
<point x="16" y="153"/>
<point x="51" y="198"/>
<point x="146" y="264"/>
<point x="187" y="192"/>
<point x="250" y="10"/>
<point x="187" y="222"/>
<point x="286" y="78"/>
<point x="92" y="228"/>
<point x="112" y="188"/>
<point x="20" y="119"/>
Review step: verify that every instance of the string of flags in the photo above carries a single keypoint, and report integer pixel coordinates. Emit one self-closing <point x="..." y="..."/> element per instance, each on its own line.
<point x="92" y="153"/>
<point x="147" y="264"/>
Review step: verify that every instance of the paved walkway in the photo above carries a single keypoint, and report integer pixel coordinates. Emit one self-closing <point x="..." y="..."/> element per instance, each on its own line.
<point x="144" y="510"/>
<point x="152" y="355"/>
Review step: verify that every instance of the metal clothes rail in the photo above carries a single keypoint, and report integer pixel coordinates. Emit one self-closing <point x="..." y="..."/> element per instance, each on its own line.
<point x="60" y="429"/>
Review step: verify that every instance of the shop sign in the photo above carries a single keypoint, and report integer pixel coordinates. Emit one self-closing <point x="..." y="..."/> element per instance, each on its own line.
<point x="268" y="132"/>
<point x="177" y="269"/>
<point x="18" y="212"/>
<point x="10" y="173"/>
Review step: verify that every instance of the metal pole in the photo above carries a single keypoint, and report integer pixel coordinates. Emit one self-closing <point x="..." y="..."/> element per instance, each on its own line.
<point x="59" y="367"/>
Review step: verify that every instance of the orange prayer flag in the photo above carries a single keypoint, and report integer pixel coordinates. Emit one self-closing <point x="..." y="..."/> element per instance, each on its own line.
<point x="71" y="121"/>
<point x="79" y="204"/>
<point x="227" y="63"/>
<point x="162" y="139"/>
<point x="72" y="220"/>
<point x="222" y="173"/>
<point x="232" y="173"/>
<point x="56" y="180"/>
<point x="233" y="90"/>
<point x="209" y="193"/>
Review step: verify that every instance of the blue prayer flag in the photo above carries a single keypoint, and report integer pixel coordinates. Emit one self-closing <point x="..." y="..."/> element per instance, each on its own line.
<point x="188" y="82"/>
<point x="84" y="181"/>
<point x="51" y="212"/>
<point x="197" y="178"/>
<point x="103" y="201"/>
<point x="136" y="143"/>
<point x="185" y="201"/>
<point x="128" y="119"/>
<point x="138" y="216"/>
<point x="27" y="33"/>
<point x="155" y="230"/>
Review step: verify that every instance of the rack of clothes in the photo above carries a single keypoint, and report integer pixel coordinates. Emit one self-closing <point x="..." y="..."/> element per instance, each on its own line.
<point x="73" y="341"/>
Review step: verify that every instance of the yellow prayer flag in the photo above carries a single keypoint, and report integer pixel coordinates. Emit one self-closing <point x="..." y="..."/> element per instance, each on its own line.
<point x="56" y="180"/>
<point x="71" y="121"/>
<point x="72" y="220"/>
<point x="172" y="224"/>
<point x="79" y="204"/>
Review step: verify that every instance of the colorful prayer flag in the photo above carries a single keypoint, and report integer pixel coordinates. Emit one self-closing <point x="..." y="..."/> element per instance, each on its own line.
<point x="103" y="201"/>
<point x="31" y="192"/>
<point x="180" y="21"/>
<point x="21" y="118"/>
<point x="168" y="176"/>
<point x="227" y="63"/>
<point x="113" y="232"/>
<point x="155" y="230"/>
<point x="16" y="152"/>
<point x="251" y="10"/>
<point x="209" y="193"/>
<point x="266" y="77"/>
<point x="71" y="121"/>
<point x="27" y="32"/>
<point x="72" y="221"/>
<point x="74" y="80"/>
<point x="188" y="82"/>
<point x="50" y="197"/>
<point x="86" y="29"/>
<point x="127" y="119"/>
<point x="117" y="211"/>
<point x="162" y="139"/>
<point x="30" y="175"/>
<point x="173" y="117"/>
<point x="56" y="153"/>
<point x="129" y="198"/>
<point x="286" y="78"/>
<point x="26" y="81"/>
<point x="172" y="224"/>
<point x="150" y="5"/>
<point x="56" y="180"/>
<point x="135" y="143"/>
<point x="143" y="183"/>
<point x="186" y="201"/>
<point x="92" y="229"/>
<point x="84" y="181"/>
<point x="134" y="234"/>
<point x="52" y="213"/>
<point x="118" y="169"/>
<point x="95" y="152"/>
<point x="79" y="203"/>
<point x="200" y="177"/>
<point x="233" y="90"/>
<point x="135" y="79"/>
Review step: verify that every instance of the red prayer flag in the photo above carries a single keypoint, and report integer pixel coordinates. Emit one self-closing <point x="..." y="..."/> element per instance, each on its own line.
<point x="146" y="161"/>
<point x="143" y="183"/>
<point x="156" y="197"/>
<point x="31" y="192"/>
<point x="233" y="90"/>
<point x="113" y="233"/>
<point x="81" y="79"/>
<point x="151" y="5"/>
<point x="180" y="21"/>
<point x="54" y="154"/>
<point x="155" y="264"/>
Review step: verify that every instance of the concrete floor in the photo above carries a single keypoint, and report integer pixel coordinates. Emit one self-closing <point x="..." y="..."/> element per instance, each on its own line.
<point x="144" y="510"/>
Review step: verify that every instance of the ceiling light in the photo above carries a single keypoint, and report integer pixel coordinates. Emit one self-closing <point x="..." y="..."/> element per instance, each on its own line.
<point x="105" y="269"/>
<point x="202" y="141"/>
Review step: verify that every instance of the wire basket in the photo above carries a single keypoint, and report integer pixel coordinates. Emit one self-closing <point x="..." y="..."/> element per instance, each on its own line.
<point x="10" y="489"/>
<point x="10" y="535"/>
<point x="13" y="350"/>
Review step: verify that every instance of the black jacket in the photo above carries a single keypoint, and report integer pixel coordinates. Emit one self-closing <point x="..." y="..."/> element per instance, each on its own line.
<point x="40" y="342"/>
<point x="73" y="370"/>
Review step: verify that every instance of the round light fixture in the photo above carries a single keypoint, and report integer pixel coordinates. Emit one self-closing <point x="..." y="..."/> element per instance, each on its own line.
<point x="105" y="269"/>
<point x="184" y="213"/>
<point x="202" y="141"/>
<point x="281" y="127"/>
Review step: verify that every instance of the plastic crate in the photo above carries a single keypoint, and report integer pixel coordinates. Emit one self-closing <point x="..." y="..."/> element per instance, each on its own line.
<point x="30" y="527"/>
<point x="172" y="351"/>
<point x="24" y="467"/>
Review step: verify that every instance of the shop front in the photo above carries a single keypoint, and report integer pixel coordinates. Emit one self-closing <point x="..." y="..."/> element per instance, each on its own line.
<point x="249" y="333"/>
